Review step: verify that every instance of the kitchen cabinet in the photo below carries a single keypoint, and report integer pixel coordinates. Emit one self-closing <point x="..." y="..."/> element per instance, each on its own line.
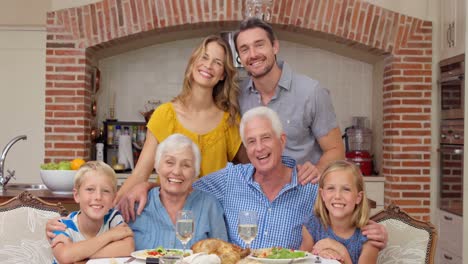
<point x="452" y="28"/>
<point x="450" y="242"/>
<point x="375" y="191"/>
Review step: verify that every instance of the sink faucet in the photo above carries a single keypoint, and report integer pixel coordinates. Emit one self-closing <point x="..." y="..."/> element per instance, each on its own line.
<point x="5" y="178"/>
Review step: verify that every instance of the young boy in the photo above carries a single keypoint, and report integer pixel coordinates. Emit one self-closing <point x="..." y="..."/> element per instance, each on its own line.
<point x="97" y="230"/>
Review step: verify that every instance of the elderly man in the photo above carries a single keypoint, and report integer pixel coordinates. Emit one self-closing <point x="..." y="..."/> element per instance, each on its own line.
<point x="268" y="185"/>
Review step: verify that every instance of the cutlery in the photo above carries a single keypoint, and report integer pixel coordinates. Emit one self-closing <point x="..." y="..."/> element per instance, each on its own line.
<point x="129" y="260"/>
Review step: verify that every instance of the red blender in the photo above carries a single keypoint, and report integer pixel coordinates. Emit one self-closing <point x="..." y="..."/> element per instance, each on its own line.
<point x="358" y="139"/>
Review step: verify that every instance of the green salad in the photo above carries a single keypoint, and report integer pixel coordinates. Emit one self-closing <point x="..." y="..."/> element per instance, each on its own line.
<point x="280" y="253"/>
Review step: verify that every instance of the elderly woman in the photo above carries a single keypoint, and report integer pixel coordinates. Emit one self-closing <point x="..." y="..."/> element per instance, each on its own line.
<point x="177" y="163"/>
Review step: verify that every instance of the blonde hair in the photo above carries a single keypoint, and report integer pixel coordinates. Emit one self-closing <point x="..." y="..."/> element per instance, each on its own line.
<point x="360" y="215"/>
<point x="99" y="167"/>
<point x="226" y="92"/>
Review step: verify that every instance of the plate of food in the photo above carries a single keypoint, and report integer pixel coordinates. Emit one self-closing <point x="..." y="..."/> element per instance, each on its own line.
<point x="159" y="252"/>
<point x="278" y="255"/>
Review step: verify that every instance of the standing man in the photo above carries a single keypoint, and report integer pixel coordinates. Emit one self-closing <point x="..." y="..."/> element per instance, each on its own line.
<point x="304" y="107"/>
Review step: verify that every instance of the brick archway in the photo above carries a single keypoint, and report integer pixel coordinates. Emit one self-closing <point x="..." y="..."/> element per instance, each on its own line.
<point x="75" y="34"/>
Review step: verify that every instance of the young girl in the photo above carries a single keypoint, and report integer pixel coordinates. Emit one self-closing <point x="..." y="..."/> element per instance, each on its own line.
<point x="97" y="230"/>
<point x="341" y="209"/>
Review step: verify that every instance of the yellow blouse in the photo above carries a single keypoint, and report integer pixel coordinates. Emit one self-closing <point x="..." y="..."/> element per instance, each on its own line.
<point x="217" y="147"/>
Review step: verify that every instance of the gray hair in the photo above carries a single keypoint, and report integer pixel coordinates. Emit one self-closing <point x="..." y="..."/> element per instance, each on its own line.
<point x="261" y="112"/>
<point x="177" y="142"/>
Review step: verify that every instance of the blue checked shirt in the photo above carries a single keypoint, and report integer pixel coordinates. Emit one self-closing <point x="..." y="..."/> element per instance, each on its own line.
<point x="279" y="222"/>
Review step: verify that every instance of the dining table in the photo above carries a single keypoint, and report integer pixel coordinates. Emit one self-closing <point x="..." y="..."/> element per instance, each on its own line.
<point x="122" y="260"/>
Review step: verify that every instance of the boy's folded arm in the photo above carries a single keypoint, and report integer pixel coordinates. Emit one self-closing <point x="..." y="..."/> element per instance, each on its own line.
<point x="119" y="248"/>
<point x="70" y="252"/>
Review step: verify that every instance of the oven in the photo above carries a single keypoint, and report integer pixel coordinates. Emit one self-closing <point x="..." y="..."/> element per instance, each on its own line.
<point x="451" y="166"/>
<point x="452" y="85"/>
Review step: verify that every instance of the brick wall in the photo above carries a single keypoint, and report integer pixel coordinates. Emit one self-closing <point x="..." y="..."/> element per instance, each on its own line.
<point x="75" y="35"/>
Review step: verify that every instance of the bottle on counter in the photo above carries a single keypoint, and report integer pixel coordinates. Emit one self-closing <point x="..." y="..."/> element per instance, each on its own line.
<point x="134" y="133"/>
<point x="141" y="135"/>
<point x="117" y="133"/>
<point x="110" y="134"/>
<point x="99" y="151"/>
<point x="126" y="131"/>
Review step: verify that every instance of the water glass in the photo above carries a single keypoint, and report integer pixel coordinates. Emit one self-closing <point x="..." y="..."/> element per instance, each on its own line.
<point x="247" y="226"/>
<point x="184" y="227"/>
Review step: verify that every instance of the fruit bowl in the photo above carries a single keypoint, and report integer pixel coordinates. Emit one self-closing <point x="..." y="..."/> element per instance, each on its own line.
<point x="59" y="181"/>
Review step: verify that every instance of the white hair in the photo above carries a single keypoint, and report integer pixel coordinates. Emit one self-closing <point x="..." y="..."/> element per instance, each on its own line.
<point x="261" y="112"/>
<point x="176" y="142"/>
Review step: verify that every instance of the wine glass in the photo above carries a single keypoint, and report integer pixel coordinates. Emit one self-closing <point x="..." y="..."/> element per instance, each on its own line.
<point x="184" y="226"/>
<point x="247" y="227"/>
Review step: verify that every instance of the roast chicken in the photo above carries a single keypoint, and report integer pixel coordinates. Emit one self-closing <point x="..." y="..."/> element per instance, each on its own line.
<point x="227" y="252"/>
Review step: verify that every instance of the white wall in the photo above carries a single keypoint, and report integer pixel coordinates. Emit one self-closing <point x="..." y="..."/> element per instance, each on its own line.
<point x="22" y="81"/>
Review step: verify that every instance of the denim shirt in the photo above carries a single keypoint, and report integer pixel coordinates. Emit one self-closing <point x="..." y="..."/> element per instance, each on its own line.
<point x="154" y="227"/>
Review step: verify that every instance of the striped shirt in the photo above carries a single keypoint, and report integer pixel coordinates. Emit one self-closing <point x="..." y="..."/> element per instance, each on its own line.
<point x="279" y="221"/>
<point x="112" y="219"/>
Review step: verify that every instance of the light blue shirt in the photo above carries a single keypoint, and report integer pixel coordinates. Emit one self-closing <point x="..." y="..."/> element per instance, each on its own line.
<point x="279" y="222"/>
<point x="304" y="107"/>
<point x="154" y="227"/>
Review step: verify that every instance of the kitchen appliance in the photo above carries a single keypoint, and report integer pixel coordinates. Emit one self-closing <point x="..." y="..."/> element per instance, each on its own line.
<point x="451" y="166"/>
<point x="452" y="85"/>
<point x="358" y="139"/>
<point x="452" y="92"/>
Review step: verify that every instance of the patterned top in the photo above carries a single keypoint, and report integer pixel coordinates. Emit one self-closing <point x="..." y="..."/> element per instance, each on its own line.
<point x="217" y="147"/>
<point x="319" y="232"/>
<point x="154" y="227"/>
<point x="304" y="107"/>
<point x="279" y="221"/>
<point x="112" y="219"/>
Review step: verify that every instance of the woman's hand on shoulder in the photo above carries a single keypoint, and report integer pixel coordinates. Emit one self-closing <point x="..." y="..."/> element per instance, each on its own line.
<point x="138" y="194"/>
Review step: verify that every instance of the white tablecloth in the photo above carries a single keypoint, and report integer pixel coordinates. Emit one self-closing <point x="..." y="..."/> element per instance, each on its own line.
<point x="138" y="261"/>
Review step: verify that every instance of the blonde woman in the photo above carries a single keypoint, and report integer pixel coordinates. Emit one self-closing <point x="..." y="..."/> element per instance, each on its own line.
<point x="206" y="111"/>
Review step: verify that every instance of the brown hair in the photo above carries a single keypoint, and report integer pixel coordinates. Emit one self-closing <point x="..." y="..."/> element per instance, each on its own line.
<point x="97" y="166"/>
<point x="361" y="211"/>
<point x="225" y="92"/>
<point x="252" y="23"/>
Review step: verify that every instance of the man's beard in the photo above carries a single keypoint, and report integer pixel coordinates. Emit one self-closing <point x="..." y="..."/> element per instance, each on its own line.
<point x="265" y="71"/>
